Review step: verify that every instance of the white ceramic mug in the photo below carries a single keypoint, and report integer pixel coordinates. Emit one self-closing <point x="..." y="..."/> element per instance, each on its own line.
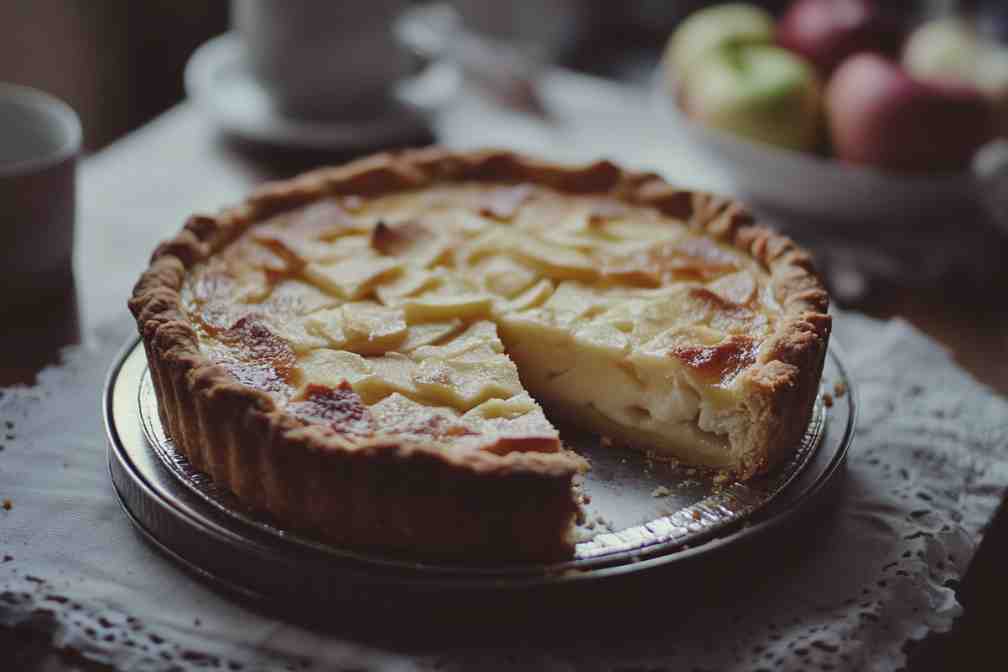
<point x="40" y="140"/>
<point x="322" y="59"/>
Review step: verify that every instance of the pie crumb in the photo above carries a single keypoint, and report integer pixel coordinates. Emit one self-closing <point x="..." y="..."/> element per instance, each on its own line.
<point x="8" y="505"/>
<point x="839" y="389"/>
<point x="661" y="491"/>
<point x="827" y="399"/>
<point x="696" y="515"/>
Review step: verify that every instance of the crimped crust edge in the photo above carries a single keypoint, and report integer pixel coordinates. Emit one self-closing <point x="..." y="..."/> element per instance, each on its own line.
<point x="309" y="476"/>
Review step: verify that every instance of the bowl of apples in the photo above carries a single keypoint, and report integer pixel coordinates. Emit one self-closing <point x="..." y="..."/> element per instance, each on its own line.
<point x="838" y="110"/>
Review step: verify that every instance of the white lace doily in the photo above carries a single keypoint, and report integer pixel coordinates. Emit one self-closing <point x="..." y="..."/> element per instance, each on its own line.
<point x="925" y="473"/>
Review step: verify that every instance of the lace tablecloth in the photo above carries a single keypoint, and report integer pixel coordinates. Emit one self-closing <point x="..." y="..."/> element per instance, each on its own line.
<point x="925" y="473"/>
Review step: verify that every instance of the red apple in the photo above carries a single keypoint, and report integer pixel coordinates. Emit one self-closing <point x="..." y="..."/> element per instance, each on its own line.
<point x="880" y="116"/>
<point x="828" y="31"/>
<point x="953" y="49"/>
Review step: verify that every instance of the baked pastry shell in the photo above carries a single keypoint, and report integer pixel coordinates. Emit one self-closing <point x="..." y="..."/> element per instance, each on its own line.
<point x="416" y="497"/>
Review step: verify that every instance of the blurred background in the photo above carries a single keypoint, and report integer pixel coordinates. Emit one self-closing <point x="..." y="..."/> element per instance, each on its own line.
<point x="128" y="57"/>
<point x="120" y="63"/>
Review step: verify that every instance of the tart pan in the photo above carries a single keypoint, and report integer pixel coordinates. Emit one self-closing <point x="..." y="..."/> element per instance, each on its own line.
<point x="639" y="515"/>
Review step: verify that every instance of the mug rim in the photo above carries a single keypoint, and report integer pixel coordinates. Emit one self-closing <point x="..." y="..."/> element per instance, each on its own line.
<point x="35" y="100"/>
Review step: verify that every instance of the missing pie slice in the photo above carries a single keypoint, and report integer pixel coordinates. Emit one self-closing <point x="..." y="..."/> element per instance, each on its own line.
<point x="372" y="353"/>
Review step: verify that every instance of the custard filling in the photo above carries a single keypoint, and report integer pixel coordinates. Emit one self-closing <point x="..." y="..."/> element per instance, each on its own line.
<point x="449" y="314"/>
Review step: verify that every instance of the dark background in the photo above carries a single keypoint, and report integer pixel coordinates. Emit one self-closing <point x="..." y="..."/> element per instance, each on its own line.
<point x="119" y="62"/>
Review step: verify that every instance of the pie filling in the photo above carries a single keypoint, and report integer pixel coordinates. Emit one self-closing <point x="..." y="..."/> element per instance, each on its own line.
<point x="446" y="315"/>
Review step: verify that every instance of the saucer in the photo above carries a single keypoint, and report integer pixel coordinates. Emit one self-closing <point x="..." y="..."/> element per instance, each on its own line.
<point x="218" y="80"/>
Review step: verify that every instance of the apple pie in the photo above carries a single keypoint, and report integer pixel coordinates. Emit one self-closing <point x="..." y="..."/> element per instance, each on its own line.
<point x="373" y="353"/>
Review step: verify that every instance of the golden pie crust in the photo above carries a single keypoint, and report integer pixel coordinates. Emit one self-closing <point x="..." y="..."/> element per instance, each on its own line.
<point x="480" y="479"/>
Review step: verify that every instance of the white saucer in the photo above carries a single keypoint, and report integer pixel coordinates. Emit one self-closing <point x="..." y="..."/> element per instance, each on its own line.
<point x="217" y="79"/>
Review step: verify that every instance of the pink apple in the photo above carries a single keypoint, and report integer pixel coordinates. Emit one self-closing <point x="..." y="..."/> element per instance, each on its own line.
<point x="952" y="49"/>
<point x="880" y="116"/>
<point x="828" y="31"/>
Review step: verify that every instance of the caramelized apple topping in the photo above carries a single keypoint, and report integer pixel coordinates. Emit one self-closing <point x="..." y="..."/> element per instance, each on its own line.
<point x="689" y="259"/>
<point x="256" y="356"/>
<point x="352" y="203"/>
<point x="398" y="415"/>
<point x="735" y="288"/>
<point x="397" y="238"/>
<point x="502" y="203"/>
<point x="340" y="409"/>
<point x="324" y="220"/>
<point x="722" y="362"/>
<point x="605" y="210"/>
<point x="254" y="342"/>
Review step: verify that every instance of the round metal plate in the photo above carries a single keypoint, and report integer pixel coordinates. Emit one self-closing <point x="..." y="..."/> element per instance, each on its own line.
<point x="641" y="514"/>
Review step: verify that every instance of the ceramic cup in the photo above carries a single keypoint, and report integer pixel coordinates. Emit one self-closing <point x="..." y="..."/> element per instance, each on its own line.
<point x="40" y="139"/>
<point x="320" y="60"/>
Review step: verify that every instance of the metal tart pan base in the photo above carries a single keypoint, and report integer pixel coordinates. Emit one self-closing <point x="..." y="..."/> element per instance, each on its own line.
<point x="640" y="516"/>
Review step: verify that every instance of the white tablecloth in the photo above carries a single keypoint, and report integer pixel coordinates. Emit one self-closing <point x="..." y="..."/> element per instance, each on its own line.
<point x="925" y="473"/>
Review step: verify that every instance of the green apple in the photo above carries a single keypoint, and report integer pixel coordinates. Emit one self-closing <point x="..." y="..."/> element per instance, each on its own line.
<point x="712" y="28"/>
<point x="761" y="92"/>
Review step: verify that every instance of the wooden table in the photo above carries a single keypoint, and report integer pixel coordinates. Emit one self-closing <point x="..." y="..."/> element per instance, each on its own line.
<point x="141" y="189"/>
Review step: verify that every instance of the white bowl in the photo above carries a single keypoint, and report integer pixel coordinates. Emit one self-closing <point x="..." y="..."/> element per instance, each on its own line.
<point x="804" y="185"/>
